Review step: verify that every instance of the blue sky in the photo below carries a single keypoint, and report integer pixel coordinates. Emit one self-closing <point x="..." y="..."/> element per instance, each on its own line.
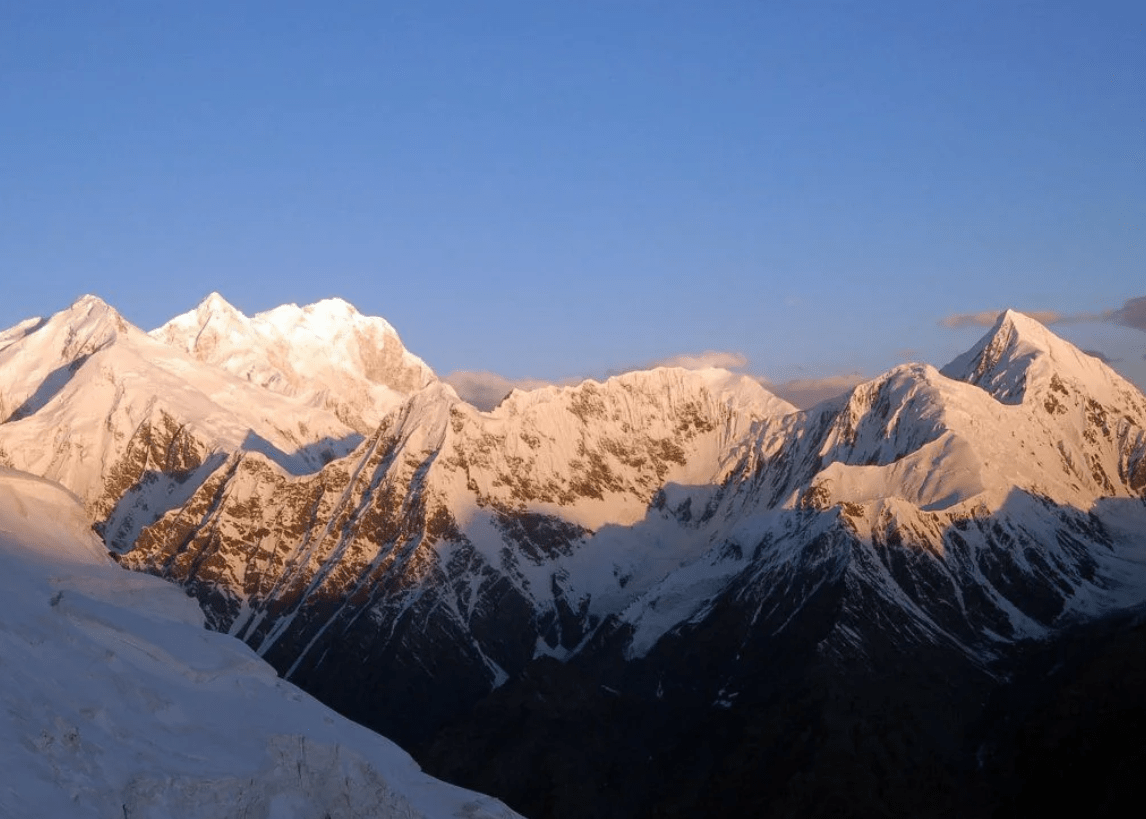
<point x="552" y="190"/>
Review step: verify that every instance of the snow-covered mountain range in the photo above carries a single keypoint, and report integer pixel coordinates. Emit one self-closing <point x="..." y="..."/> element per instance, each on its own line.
<point x="414" y="561"/>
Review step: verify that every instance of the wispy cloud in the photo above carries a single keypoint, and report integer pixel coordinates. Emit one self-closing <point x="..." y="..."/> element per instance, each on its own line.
<point x="987" y="318"/>
<point x="701" y="361"/>
<point x="807" y="392"/>
<point x="485" y="390"/>
<point x="1132" y="313"/>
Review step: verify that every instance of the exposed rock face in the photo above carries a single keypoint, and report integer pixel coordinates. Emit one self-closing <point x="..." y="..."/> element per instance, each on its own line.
<point x="684" y="544"/>
<point x="453" y="534"/>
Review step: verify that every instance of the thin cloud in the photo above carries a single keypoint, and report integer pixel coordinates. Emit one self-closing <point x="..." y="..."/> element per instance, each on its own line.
<point x="807" y="392"/>
<point x="987" y="318"/>
<point x="485" y="390"/>
<point x="701" y="361"/>
<point x="1132" y="313"/>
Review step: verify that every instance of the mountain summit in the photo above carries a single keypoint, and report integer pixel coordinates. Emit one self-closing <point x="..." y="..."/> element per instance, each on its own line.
<point x="1020" y="353"/>
<point x="327" y="354"/>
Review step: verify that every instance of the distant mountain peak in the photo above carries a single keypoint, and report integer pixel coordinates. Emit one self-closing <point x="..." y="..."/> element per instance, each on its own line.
<point x="89" y="300"/>
<point x="89" y="324"/>
<point x="334" y="304"/>
<point x="1019" y="352"/>
<point x="326" y="318"/>
<point x="327" y="353"/>
<point x="215" y="304"/>
<point x="89" y="306"/>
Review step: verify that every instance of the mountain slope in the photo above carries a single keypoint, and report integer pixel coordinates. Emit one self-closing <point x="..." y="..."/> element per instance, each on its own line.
<point x="987" y="519"/>
<point x="883" y="563"/>
<point x="117" y="701"/>
<point x="480" y="539"/>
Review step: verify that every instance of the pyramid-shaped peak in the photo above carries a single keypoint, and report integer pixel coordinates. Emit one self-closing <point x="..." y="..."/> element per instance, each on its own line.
<point x="90" y="304"/>
<point x="89" y="300"/>
<point x="90" y="314"/>
<point x="215" y="304"/>
<point x="1019" y="351"/>
<point x="1027" y="328"/>
<point x="213" y="311"/>
<point x="64" y="340"/>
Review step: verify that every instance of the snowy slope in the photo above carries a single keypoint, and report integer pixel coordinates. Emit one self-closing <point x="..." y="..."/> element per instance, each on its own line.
<point x="118" y="703"/>
<point x="327" y="354"/>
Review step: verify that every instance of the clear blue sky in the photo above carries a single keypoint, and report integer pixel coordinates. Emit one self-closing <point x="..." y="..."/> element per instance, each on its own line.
<point x="551" y="189"/>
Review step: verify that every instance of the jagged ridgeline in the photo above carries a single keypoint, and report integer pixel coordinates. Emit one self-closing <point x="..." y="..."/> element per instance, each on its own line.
<point x="714" y="600"/>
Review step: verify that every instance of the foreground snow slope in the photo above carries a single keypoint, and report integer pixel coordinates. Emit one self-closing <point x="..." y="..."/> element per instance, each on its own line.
<point x="117" y="702"/>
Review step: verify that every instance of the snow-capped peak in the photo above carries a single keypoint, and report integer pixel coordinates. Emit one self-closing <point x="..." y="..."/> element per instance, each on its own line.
<point x="736" y="391"/>
<point x="89" y="300"/>
<point x="328" y="320"/>
<point x="327" y="353"/>
<point x="83" y="395"/>
<point x="91" y="315"/>
<point x="216" y="305"/>
<point x="1019" y="353"/>
<point x="212" y="318"/>
<point x="39" y="356"/>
